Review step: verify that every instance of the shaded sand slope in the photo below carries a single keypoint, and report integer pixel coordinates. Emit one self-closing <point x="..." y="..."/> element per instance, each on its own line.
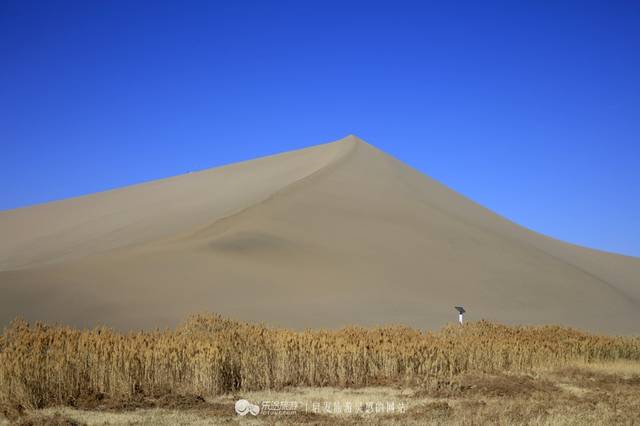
<point x="331" y="235"/>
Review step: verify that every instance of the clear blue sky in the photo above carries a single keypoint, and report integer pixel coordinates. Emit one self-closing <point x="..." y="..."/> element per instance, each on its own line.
<point x="529" y="108"/>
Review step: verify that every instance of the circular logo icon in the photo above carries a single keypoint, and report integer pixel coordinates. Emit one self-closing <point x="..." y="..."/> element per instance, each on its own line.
<point x="243" y="407"/>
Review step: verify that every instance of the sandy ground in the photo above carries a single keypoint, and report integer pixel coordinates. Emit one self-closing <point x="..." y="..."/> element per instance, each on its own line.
<point x="335" y="234"/>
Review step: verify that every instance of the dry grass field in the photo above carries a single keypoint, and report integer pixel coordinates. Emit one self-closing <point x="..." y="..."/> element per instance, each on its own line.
<point x="478" y="373"/>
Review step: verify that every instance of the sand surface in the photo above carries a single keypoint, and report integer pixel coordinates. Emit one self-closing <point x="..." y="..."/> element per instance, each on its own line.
<point x="331" y="235"/>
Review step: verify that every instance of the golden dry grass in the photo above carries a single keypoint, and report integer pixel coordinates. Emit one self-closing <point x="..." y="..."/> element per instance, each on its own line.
<point x="42" y="365"/>
<point x="572" y="395"/>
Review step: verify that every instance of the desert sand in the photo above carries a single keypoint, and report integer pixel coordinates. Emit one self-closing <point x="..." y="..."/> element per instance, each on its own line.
<point x="326" y="236"/>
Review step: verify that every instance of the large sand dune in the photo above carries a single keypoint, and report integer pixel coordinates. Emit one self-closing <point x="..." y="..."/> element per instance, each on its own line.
<point x="326" y="236"/>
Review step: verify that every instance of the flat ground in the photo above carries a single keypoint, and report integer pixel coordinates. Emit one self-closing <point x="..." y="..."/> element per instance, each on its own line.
<point x="595" y="394"/>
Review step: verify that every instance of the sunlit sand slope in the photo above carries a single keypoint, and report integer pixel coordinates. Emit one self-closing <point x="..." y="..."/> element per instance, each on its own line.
<point x="326" y="236"/>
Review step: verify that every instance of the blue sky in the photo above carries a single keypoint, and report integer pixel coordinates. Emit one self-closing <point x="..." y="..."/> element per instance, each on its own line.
<point x="529" y="108"/>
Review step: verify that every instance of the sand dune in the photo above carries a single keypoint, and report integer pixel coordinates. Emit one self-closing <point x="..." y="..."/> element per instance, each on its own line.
<point x="326" y="236"/>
